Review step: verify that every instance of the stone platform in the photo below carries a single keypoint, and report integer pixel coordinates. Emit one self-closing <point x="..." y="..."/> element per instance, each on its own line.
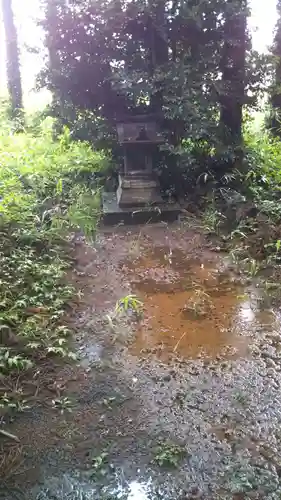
<point x="113" y="214"/>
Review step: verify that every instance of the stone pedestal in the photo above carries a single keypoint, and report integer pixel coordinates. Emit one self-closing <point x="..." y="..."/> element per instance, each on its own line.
<point x="138" y="189"/>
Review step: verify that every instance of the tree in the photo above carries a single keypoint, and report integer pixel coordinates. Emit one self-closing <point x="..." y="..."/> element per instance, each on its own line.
<point x="117" y="56"/>
<point x="275" y="97"/>
<point x="233" y="68"/>
<point x="12" y="55"/>
<point x="184" y="60"/>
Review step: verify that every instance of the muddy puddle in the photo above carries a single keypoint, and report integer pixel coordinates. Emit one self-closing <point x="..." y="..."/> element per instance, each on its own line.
<point x="74" y="488"/>
<point x="182" y="404"/>
<point x="191" y="307"/>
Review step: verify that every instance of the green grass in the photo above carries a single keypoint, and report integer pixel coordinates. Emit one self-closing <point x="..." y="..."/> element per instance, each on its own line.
<point x="48" y="188"/>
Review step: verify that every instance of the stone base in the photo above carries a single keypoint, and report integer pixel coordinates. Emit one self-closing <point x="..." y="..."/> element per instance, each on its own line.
<point x="113" y="214"/>
<point x="138" y="189"/>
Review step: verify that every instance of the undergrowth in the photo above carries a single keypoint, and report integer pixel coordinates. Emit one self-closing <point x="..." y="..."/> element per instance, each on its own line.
<point x="259" y="222"/>
<point x="246" y="214"/>
<point x="49" y="189"/>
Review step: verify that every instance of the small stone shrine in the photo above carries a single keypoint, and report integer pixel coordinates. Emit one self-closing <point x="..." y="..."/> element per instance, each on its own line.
<point x="138" y="195"/>
<point x="137" y="184"/>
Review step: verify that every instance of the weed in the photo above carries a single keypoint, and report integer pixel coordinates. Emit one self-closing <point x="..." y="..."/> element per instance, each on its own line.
<point x="238" y="232"/>
<point x="253" y="267"/>
<point x="169" y="455"/>
<point x="129" y="304"/>
<point x="242" y="398"/>
<point x="100" y="464"/>
<point x="211" y="220"/>
<point x="107" y="402"/>
<point x="11" y="403"/>
<point x="199" y="304"/>
<point x="63" y="404"/>
<point x="168" y="257"/>
<point x="13" y="363"/>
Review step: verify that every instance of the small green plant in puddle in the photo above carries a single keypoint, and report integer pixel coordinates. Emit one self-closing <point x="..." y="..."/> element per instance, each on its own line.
<point x="100" y="464"/>
<point x="107" y="402"/>
<point x="237" y="255"/>
<point x="169" y="455"/>
<point x="199" y="305"/>
<point x="252" y="267"/>
<point x="129" y="303"/>
<point x="125" y="306"/>
<point x="242" y="398"/>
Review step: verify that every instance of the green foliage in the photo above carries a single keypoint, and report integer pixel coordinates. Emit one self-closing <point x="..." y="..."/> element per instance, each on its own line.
<point x="100" y="464"/>
<point x="257" y="234"/>
<point x="47" y="189"/>
<point x="127" y="304"/>
<point x="63" y="404"/>
<point x="13" y="363"/>
<point x="263" y="157"/>
<point x="275" y="90"/>
<point x="10" y="403"/>
<point x="169" y="455"/>
<point x="211" y="220"/>
<point x="188" y="62"/>
<point x="164" y="57"/>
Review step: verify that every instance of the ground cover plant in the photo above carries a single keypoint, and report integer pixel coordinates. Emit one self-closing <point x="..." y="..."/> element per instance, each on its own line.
<point x="49" y="188"/>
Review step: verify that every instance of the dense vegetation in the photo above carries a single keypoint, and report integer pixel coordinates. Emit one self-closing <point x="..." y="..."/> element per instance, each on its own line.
<point x="189" y="62"/>
<point x="49" y="189"/>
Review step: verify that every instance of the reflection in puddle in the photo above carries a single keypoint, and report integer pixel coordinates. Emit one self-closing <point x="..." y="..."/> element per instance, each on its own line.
<point x="68" y="487"/>
<point x="138" y="491"/>
<point x="190" y="308"/>
<point x="246" y="312"/>
<point x="91" y="354"/>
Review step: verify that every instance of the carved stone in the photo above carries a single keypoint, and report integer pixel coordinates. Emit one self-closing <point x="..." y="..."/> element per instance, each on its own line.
<point x="138" y="197"/>
<point x="138" y="189"/>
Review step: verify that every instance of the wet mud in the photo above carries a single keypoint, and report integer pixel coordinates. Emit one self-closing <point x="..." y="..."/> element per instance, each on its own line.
<point x="199" y="370"/>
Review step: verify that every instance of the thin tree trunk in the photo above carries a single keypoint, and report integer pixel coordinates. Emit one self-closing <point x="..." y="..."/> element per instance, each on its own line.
<point x="12" y="55"/>
<point x="233" y="76"/>
<point x="275" y="98"/>
<point x="159" y="53"/>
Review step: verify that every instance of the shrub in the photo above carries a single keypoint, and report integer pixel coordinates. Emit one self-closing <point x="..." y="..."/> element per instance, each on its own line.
<point x="263" y="157"/>
<point x="47" y="187"/>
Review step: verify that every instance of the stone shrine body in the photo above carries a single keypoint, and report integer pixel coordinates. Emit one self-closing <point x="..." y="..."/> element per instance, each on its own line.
<point x="138" y="195"/>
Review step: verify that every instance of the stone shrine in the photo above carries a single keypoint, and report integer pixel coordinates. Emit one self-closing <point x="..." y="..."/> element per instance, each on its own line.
<point x="138" y="185"/>
<point x="138" y="197"/>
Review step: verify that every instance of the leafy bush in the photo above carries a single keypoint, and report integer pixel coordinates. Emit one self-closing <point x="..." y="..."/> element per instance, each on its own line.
<point x="43" y="179"/>
<point x="47" y="188"/>
<point x="257" y="216"/>
<point x="198" y="166"/>
<point x="263" y="158"/>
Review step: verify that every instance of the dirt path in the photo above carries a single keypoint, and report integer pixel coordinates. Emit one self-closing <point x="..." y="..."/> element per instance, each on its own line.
<point x="183" y="403"/>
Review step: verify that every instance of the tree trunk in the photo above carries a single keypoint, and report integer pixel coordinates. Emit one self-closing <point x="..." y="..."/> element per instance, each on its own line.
<point x="275" y="98"/>
<point x="12" y="55"/>
<point x="159" y="54"/>
<point x="233" y="75"/>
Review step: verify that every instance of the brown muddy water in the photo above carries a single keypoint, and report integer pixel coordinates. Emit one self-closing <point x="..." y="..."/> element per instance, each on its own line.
<point x="191" y="308"/>
<point x="183" y="402"/>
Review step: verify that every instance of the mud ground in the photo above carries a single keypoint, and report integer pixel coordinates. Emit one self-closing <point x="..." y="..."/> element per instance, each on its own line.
<point x="180" y="402"/>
